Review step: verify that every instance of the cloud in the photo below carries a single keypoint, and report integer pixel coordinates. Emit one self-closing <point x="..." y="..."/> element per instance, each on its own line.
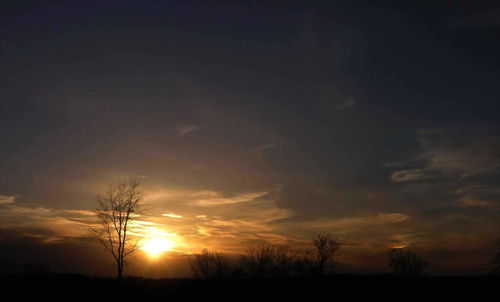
<point x="185" y="129"/>
<point x="469" y="201"/>
<point x="4" y="199"/>
<point x="464" y="152"/>
<point x="243" y="224"/>
<point x="28" y="211"/>
<point x="451" y="184"/>
<point x="171" y="215"/>
<point x="81" y="212"/>
<point x="228" y="223"/>
<point x="264" y="147"/>
<point x="214" y="199"/>
<point x="347" y="103"/>
<point x="54" y="224"/>
<point x="360" y="222"/>
<point x="409" y="175"/>
<point x="478" y="196"/>
<point x="468" y="155"/>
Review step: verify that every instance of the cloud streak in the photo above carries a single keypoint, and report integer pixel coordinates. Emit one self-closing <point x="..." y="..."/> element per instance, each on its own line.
<point x="214" y="199"/>
<point x="4" y="199"/>
<point x="186" y="129"/>
<point x="409" y="175"/>
<point x="347" y="103"/>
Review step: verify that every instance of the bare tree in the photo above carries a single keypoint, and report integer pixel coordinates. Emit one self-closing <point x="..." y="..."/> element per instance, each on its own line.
<point x="211" y="265"/>
<point x="283" y="258"/>
<point x="326" y="248"/>
<point x="269" y="260"/>
<point x="405" y="263"/>
<point x="117" y="208"/>
<point x="257" y="260"/>
<point x="304" y="262"/>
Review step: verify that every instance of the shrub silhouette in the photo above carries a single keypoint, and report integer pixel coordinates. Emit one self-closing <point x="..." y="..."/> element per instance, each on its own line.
<point x="211" y="266"/>
<point x="405" y="263"/>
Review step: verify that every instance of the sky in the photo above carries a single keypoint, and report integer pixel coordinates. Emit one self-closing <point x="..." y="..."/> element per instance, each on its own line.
<point x="250" y="122"/>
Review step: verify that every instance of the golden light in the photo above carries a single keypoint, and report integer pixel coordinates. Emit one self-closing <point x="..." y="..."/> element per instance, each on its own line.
<point x="397" y="246"/>
<point x="157" y="245"/>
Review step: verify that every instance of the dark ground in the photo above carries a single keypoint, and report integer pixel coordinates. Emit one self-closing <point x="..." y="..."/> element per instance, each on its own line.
<point x="71" y="286"/>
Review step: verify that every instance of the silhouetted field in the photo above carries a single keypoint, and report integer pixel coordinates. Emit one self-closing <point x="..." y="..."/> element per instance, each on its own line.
<point x="72" y="286"/>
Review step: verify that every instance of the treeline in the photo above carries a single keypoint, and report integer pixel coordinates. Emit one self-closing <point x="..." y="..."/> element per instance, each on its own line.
<point x="283" y="261"/>
<point x="269" y="260"/>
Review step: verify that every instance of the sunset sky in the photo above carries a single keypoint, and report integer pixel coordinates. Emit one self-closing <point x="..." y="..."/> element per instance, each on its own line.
<point x="252" y="121"/>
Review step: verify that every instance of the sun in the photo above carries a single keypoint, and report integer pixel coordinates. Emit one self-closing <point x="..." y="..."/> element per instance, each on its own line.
<point x="157" y="245"/>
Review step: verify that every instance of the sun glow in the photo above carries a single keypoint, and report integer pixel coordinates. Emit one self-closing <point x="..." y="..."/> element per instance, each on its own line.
<point x="157" y="245"/>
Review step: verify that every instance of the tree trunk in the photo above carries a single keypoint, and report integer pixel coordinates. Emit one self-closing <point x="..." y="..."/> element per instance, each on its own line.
<point x="120" y="270"/>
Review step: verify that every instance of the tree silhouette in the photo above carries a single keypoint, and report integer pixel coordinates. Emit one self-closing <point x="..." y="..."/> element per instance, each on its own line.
<point x="257" y="260"/>
<point x="304" y="262"/>
<point x="211" y="265"/>
<point x="282" y="263"/>
<point x="496" y="259"/>
<point x="117" y="208"/>
<point x="269" y="260"/>
<point x="405" y="263"/>
<point x="326" y="248"/>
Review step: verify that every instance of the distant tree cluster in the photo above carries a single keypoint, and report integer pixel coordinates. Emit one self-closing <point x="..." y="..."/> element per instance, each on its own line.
<point x="281" y="261"/>
<point x="496" y="259"/>
<point x="405" y="263"/>
<point x="270" y="261"/>
<point x="211" y="266"/>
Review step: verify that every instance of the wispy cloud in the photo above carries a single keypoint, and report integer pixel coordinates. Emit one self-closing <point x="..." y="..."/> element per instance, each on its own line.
<point x="478" y="196"/>
<point x="4" y="199"/>
<point x="81" y="212"/>
<point x="455" y="171"/>
<point x="264" y="147"/>
<point x="216" y="200"/>
<point x="360" y="222"/>
<point x="409" y="175"/>
<point x="469" y="201"/>
<point x="46" y="223"/>
<point x="172" y="215"/>
<point x="462" y="153"/>
<point x="185" y="129"/>
<point x="347" y="103"/>
<point x="242" y="224"/>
